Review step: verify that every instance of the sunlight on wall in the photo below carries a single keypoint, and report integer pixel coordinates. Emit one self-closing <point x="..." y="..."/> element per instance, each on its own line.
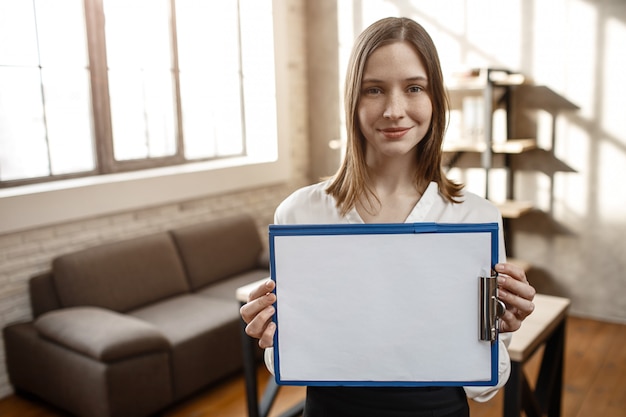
<point x="611" y="195"/>
<point x="565" y="45"/>
<point x="548" y="42"/>
<point x="544" y="121"/>
<point x="465" y="36"/>
<point x="491" y="32"/>
<point x="572" y="190"/>
<point x="614" y="86"/>
<point x="580" y="61"/>
<point x="612" y="152"/>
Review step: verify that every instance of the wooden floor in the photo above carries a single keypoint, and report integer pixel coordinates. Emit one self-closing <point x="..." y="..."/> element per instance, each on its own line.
<point x="595" y="382"/>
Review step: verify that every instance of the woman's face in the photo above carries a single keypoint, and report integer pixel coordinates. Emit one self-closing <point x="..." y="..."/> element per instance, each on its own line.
<point x="394" y="108"/>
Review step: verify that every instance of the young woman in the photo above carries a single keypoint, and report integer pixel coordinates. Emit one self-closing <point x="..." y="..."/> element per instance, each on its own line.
<point x="396" y="107"/>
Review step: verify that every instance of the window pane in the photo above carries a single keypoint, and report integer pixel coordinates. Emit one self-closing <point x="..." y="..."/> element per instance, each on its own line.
<point x="137" y="33"/>
<point x="142" y="113"/>
<point x="69" y="120"/>
<point x="17" y="32"/>
<point x="259" y="76"/>
<point x="63" y="56"/>
<point x="23" y="148"/>
<point x="209" y="128"/>
<point x="160" y="112"/>
<point x="140" y="78"/>
<point x="210" y="77"/>
<point x="127" y="115"/>
<point x="59" y="141"/>
<point x="61" y="33"/>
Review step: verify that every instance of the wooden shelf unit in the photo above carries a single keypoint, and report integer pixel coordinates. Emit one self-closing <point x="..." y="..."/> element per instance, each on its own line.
<point x="488" y="90"/>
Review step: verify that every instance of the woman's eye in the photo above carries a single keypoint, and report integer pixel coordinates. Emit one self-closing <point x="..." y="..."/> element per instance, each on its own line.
<point x="415" y="89"/>
<point x="373" y="90"/>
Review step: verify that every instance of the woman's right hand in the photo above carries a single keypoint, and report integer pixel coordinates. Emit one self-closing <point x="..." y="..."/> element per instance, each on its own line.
<point x="258" y="312"/>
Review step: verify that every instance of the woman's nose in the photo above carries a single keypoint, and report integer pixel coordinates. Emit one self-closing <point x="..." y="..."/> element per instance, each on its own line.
<point x="394" y="107"/>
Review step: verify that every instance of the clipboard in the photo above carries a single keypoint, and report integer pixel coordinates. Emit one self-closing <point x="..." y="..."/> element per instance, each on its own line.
<point x="411" y="304"/>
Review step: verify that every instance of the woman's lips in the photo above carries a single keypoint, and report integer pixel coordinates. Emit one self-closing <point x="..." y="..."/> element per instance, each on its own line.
<point x="395" y="132"/>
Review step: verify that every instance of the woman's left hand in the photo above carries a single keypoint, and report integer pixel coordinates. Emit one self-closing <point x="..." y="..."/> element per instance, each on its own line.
<point x="516" y="293"/>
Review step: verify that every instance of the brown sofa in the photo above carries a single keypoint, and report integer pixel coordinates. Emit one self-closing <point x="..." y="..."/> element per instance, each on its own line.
<point x="127" y="328"/>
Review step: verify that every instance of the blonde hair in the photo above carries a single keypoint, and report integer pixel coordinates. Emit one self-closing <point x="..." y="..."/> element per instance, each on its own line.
<point x="350" y="184"/>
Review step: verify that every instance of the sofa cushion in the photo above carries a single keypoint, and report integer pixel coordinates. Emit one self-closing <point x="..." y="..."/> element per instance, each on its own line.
<point x="218" y="249"/>
<point x="205" y="335"/>
<point x="186" y="316"/>
<point x="101" y="334"/>
<point x="226" y="289"/>
<point x="122" y="275"/>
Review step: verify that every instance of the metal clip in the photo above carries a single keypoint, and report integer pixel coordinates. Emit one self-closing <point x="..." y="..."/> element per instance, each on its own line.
<point x="491" y="308"/>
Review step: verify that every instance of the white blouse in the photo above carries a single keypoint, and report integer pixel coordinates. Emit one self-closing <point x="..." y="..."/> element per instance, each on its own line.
<point x="312" y="205"/>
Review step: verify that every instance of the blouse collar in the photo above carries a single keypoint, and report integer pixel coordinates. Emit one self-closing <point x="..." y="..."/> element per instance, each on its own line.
<point x="419" y="212"/>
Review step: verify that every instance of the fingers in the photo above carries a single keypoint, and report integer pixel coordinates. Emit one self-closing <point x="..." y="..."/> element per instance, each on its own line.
<point x="516" y="293"/>
<point x="258" y="299"/>
<point x="509" y="322"/>
<point x="258" y="312"/>
<point x="267" y="339"/>
<point x="513" y="279"/>
<point x="262" y="327"/>
<point x="263" y="289"/>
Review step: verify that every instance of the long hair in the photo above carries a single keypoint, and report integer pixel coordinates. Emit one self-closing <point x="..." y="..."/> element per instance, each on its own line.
<point x="350" y="182"/>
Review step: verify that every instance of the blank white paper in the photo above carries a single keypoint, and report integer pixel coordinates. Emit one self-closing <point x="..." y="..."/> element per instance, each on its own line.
<point x="381" y="307"/>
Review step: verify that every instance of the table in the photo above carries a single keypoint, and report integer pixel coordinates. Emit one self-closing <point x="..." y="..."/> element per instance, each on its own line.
<point x="546" y="325"/>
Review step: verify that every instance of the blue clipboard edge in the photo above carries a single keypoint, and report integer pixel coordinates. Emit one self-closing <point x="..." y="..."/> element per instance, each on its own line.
<point x="382" y="228"/>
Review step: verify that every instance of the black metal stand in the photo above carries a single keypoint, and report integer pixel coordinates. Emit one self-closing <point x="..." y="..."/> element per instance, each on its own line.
<point x="546" y="398"/>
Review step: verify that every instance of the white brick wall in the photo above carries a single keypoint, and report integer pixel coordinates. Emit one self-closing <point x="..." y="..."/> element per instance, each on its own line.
<point x="30" y="252"/>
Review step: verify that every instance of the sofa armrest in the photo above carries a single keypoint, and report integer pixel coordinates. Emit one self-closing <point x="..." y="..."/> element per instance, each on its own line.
<point x="43" y="294"/>
<point x="99" y="333"/>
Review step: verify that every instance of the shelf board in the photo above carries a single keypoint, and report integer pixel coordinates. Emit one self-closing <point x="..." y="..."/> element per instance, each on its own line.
<point x="508" y="79"/>
<point x="511" y="146"/>
<point x="512" y="209"/>
<point x="477" y="82"/>
<point x="542" y="97"/>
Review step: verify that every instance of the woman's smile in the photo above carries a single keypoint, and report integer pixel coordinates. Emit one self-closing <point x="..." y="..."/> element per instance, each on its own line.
<point x="394" y="132"/>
